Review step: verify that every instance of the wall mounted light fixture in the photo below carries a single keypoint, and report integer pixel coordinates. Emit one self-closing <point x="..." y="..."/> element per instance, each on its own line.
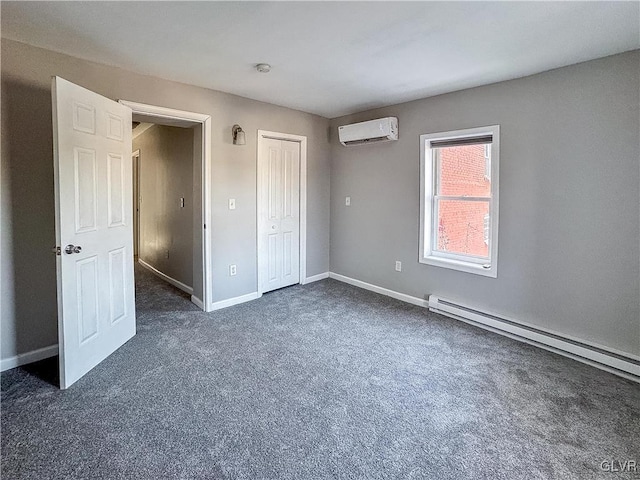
<point x="238" y="135"/>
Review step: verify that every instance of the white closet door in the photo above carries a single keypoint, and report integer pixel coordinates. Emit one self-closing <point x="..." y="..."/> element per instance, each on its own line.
<point x="279" y="172"/>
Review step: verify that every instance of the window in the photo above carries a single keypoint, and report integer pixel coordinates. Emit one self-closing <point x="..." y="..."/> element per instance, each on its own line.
<point x="459" y="200"/>
<point x="485" y="228"/>
<point x="487" y="161"/>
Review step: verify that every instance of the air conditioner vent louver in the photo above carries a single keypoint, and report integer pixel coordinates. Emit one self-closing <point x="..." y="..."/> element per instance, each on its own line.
<point x="373" y="131"/>
<point x="366" y="140"/>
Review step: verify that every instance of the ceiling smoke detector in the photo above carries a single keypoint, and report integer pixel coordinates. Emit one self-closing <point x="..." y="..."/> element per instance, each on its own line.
<point x="263" y="67"/>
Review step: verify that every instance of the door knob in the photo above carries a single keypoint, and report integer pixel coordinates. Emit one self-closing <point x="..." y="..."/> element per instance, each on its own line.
<point x="69" y="249"/>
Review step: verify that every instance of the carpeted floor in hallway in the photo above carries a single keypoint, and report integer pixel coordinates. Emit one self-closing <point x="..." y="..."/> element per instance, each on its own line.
<point x="320" y="381"/>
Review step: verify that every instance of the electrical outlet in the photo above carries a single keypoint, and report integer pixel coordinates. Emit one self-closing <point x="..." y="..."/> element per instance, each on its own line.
<point x="398" y="266"/>
<point x="347" y="201"/>
<point x="232" y="270"/>
<point x="232" y="204"/>
<point x="166" y="254"/>
<point x="181" y="202"/>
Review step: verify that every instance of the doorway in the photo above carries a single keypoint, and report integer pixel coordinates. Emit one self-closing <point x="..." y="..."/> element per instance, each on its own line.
<point x="281" y="210"/>
<point x="94" y="223"/>
<point x="201" y="126"/>
<point x="165" y="200"/>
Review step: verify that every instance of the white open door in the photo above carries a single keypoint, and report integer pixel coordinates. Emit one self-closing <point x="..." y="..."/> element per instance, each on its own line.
<point x="94" y="227"/>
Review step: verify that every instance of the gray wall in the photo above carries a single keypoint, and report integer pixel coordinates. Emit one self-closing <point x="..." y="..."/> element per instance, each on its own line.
<point x="569" y="255"/>
<point x="166" y="175"/>
<point x="29" y="311"/>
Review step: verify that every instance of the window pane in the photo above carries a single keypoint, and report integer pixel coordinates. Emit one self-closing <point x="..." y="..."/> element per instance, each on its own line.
<point x="462" y="170"/>
<point x="462" y="226"/>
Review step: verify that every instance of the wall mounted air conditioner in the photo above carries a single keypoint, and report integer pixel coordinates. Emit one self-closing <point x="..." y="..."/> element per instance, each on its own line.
<point x="380" y="130"/>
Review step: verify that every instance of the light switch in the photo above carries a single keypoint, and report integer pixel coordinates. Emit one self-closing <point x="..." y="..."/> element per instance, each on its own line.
<point x="181" y="202"/>
<point x="347" y="201"/>
<point x="232" y="204"/>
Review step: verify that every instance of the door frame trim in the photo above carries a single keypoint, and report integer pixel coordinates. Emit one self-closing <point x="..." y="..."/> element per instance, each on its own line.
<point x="302" y="141"/>
<point x="165" y="116"/>
<point x="136" y="207"/>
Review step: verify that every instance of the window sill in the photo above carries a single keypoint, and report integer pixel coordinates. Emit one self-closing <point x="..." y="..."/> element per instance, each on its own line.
<point x="461" y="266"/>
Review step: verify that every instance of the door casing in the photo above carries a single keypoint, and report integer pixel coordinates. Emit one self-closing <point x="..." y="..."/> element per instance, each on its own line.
<point x="135" y="157"/>
<point x="260" y="208"/>
<point x="170" y="116"/>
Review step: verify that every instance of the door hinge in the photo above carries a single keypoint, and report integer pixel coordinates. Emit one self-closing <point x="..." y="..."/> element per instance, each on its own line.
<point x="56" y="250"/>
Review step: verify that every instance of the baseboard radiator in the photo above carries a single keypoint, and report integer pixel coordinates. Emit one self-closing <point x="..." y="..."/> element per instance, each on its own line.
<point x="622" y="364"/>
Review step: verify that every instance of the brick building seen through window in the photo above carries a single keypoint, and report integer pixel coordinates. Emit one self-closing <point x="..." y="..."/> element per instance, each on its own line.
<point x="463" y="226"/>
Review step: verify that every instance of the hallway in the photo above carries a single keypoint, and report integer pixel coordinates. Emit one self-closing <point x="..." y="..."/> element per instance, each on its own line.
<point x="154" y="295"/>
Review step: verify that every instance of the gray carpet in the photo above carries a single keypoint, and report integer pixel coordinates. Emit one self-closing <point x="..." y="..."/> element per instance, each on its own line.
<point x="313" y="382"/>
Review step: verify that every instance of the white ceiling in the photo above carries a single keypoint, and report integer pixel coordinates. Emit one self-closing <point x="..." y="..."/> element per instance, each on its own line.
<point x="330" y="58"/>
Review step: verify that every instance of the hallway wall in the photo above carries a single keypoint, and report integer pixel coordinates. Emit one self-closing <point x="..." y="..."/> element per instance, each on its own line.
<point x="166" y="176"/>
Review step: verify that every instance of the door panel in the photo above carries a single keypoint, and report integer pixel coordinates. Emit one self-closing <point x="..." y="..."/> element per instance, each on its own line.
<point x="117" y="283"/>
<point x="87" y="291"/>
<point x="115" y="190"/>
<point x="280" y="220"/>
<point x="273" y="258"/>
<point x="85" y="189"/>
<point x="274" y="161"/>
<point x="93" y="186"/>
<point x="287" y="253"/>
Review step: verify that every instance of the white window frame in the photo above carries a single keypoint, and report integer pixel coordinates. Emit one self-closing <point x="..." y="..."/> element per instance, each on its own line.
<point x="487" y="162"/>
<point x="428" y="230"/>
<point x="486" y="226"/>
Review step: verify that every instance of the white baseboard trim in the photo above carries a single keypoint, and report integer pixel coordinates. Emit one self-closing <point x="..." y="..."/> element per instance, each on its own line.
<point x="384" y="291"/>
<point x="195" y="300"/>
<point x="613" y="361"/>
<point x="167" y="278"/>
<point x="28" y="357"/>
<point x="315" y="278"/>
<point x="230" y="302"/>
<point x="604" y="358"/>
